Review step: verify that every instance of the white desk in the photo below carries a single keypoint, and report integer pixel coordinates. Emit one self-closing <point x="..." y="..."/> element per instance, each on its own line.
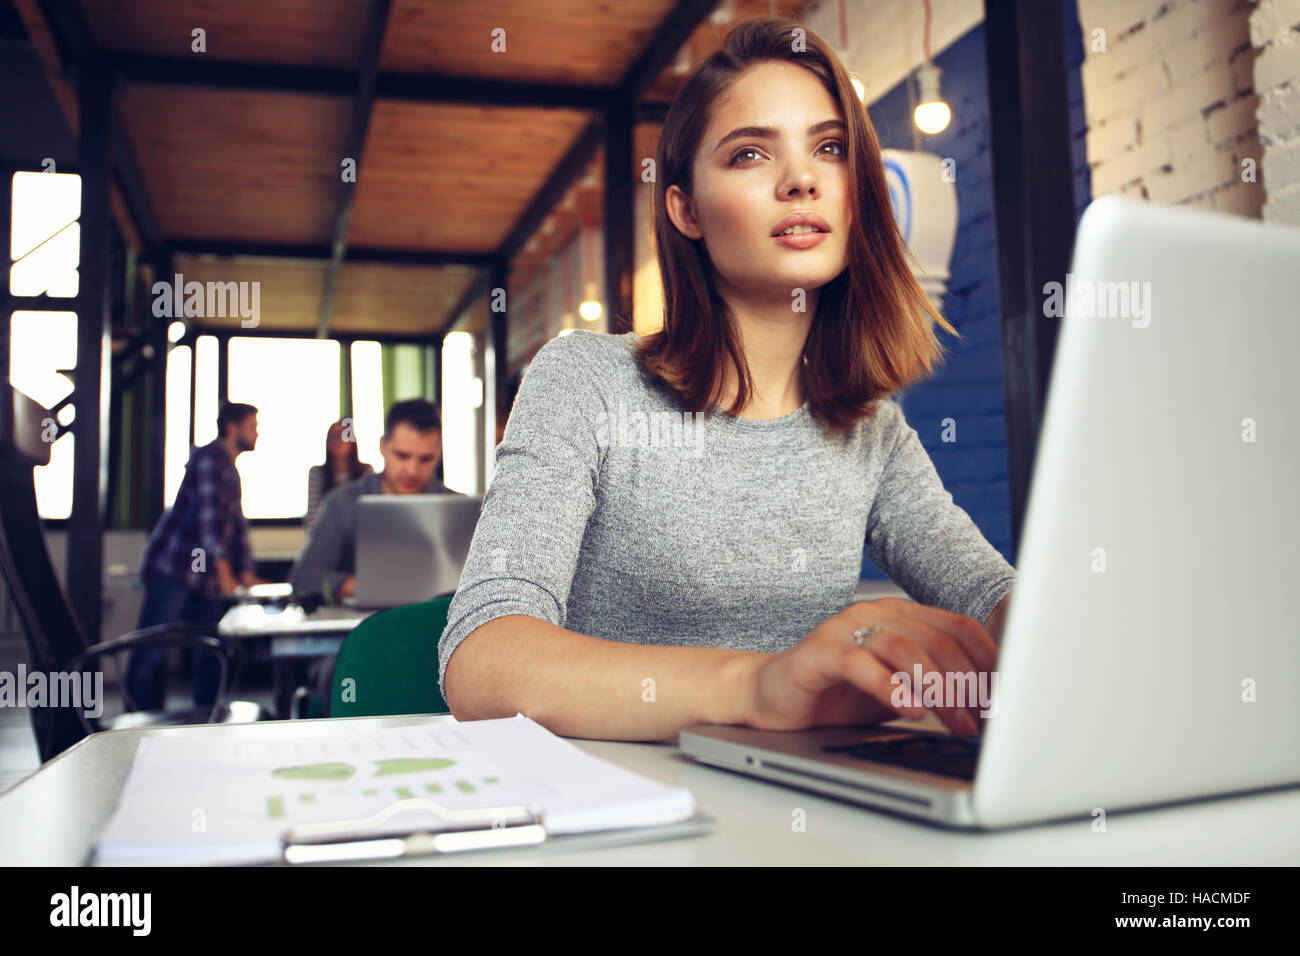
<point x="54" y="816"/>
<point x="261" y="620"/>
<point x="286" y="635"/>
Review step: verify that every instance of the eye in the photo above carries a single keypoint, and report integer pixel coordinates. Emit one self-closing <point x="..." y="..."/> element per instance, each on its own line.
<point x="750" y="149"/>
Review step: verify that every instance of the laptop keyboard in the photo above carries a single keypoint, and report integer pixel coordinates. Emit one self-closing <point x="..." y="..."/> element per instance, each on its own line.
<point x="934" y="753"/>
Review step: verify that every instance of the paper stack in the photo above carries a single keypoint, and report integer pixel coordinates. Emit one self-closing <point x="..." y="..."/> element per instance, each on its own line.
<point x="191" y="800"/>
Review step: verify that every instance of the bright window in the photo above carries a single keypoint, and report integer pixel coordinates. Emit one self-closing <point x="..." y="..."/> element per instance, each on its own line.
<point x="368" y="401"/>
<point x="205" y="389"/>
<point x="45" y="238"/>
<point x="44" y="242"/>
<point x="459" y="401"/>
<point x="176" y="434"/>
<point x="41" y="343"/>
<point x="295" y="385"/>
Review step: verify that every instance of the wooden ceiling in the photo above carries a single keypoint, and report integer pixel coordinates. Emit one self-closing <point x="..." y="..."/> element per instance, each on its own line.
<point x="251" y="170"/>
<point x="229" y="164"/>
<point x="445" y="176"/>
<point x="371" y="298"/>
<point x="296" y="32"/>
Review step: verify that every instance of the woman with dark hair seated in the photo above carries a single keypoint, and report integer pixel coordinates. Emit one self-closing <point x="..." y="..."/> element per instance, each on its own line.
<point x="342" y="464"/>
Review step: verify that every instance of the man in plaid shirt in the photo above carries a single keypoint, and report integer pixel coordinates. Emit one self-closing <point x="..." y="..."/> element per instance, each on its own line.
<point x="197" y="553"/>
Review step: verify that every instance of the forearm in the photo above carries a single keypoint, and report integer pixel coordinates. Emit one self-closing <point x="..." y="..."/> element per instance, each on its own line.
<point x="316" y="579"/>
<point x="580" y="686"/>
<point x="320" y="566"/>
<point x="225" y="576"/>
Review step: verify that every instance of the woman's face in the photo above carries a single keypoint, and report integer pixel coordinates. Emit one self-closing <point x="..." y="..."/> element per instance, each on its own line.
<point x="746" y="184"/>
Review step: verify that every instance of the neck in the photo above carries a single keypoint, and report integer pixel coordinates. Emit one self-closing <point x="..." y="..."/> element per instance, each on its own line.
<point x="232" y="446"/>
<point x="772" y="339"/>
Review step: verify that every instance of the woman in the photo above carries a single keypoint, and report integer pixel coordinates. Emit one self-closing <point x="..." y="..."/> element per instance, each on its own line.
<point x="342" y="464"/>
<point x="674" y="531"/>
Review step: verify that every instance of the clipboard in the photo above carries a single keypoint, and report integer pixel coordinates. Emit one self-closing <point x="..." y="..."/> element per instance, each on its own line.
<point x="449" y="831"/>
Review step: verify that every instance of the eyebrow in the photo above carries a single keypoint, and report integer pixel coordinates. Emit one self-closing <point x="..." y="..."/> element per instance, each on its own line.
<point x="768" y="132"/>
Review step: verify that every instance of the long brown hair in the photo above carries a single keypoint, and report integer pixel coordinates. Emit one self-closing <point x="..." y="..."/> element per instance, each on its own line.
<point x="355" y="466"/>
<point x="869" y="337"/>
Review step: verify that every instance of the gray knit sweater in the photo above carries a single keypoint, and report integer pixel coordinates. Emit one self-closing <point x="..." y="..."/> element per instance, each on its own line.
<point x="615" y="514"/>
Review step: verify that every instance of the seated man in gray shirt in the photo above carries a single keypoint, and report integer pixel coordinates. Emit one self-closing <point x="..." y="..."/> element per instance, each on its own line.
<point x="412" y="448"/>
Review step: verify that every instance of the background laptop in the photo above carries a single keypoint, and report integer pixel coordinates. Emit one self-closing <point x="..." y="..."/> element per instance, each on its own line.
<point x="1128" y="686"/>
<point x="411" y="548"/>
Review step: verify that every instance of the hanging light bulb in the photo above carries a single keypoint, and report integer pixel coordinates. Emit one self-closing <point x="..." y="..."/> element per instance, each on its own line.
<point x="932" y="114"/>
<point x="590" y="307"/>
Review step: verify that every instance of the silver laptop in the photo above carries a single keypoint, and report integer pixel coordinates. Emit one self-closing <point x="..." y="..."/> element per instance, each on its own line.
<point x="1152" y="646"/>
<point x="411" y="548"/>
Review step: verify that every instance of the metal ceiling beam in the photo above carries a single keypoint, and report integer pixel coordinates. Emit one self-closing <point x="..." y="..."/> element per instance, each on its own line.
<point x="205" y="72"/>
<point x="416" y="257"/>
<point x="674" y="30"/>
<point x="479" y="288"/>
<point x="367" y="254"/>
<point x="566" y="172"/>
<point x="621" y="117"/>
<point x="472" y="91"/>
<point x="226" y="248"/>
<point x="354" y="146"/>
<point x="345" y="337"/>
<point x="202" y="72"/>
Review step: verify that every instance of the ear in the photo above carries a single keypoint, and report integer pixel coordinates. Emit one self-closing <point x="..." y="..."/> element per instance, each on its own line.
<point x="682" y="213"/>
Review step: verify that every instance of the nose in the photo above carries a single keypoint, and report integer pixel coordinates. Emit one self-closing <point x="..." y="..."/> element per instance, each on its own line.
<point x="801" y="177"/>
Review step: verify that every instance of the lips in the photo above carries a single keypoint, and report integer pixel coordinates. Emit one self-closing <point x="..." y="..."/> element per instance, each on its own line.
<point x="801" y="218"/>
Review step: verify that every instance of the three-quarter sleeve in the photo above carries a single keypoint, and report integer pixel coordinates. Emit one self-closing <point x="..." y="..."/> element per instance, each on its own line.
<point x="526" y="544"/>
<point x="926" y="543"/>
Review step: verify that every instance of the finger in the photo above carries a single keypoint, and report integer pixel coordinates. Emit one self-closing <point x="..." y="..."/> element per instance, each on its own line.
<point x="865" y="671"/>
<point x="898" y="648"/>
<point x="978" y="652"/>
<point x="973" y="637"/>
<point x="832" y="658"/>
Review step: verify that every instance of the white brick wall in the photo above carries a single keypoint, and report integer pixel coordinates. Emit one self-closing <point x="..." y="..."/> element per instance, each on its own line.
<point x="1170" y="101"/>
<point x="1275" y="35"/>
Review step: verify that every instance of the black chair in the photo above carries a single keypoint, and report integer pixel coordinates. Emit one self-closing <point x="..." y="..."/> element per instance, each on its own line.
<point x="55" y="638"/>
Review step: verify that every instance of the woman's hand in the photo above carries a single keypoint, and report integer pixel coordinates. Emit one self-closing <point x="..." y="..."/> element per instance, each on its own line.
<point x="827" y="680"/>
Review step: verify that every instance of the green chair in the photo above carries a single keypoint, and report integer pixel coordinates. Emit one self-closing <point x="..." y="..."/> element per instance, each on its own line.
<point x="391" y="662"/>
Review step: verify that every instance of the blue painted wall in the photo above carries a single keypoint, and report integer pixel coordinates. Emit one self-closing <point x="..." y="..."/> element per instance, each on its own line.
<point x="968" y="386"/>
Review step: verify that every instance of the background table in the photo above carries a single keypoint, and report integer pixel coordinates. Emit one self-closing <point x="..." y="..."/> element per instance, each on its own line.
<point x="54" y="816"/>
<point x="286" y="637"/>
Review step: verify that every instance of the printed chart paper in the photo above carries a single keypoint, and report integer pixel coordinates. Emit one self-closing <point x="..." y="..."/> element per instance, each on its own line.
<point x="191" y="800"/>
